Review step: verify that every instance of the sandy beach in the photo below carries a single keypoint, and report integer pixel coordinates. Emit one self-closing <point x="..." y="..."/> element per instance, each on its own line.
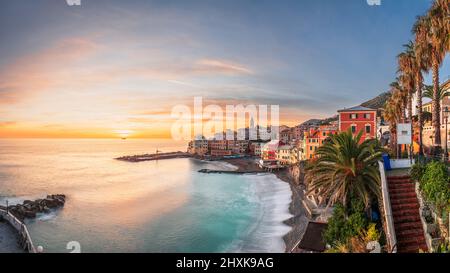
<point x="299" y="221"/>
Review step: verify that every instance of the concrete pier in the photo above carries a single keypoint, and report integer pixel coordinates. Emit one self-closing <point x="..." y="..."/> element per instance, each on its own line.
<point x="9" y="242"/>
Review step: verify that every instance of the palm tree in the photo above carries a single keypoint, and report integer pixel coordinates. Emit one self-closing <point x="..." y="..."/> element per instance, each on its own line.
<point x="422" y="63"/>
<point x="346" y="169"/>
<point x="393" y="114"/>
<point x="435" y="39"/>
<point x="429" y="92"/>
<point x="401" y="97"/>
<point x="406" y="71"/>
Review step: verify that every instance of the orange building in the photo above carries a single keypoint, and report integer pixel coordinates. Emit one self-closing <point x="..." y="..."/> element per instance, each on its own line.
<point x="359" y="119"/>
<point x="315" y="137"/>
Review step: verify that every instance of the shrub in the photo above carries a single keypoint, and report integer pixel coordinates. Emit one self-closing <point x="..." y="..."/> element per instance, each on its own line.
<point x="372" y="233"/>
<point x="443" y="248"/>
<point x="342" y="227"/>
<point x="417" y="171"/>
<point x="435" y="185"/>
<point x="357" y="243"/>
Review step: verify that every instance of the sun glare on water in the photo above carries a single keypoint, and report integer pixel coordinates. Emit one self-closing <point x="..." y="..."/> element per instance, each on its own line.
<point x="124" y="134"/>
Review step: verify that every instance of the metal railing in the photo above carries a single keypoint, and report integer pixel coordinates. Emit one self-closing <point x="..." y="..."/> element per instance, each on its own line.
<point x="21" y="228"/>
<point x="390" y="231"/>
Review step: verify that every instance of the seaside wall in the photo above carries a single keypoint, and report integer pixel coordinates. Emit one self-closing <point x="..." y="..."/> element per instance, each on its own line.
<point x="297" y="173"/>
<point x="20" y="227"/>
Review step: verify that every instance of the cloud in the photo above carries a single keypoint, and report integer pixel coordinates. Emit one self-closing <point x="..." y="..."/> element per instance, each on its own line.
<point x="183" y="83"/>
<point x="221" y="66"/>
<point x="7" y="123"/>
<point x="42" y="70"/>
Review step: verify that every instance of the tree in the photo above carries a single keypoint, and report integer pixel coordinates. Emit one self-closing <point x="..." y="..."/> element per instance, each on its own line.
<point x="345" y="169"/>
<point x="429" y="92"/>
<point x="422" y="63"/>
<point x="406" y="71"/>
<point x="434" y="41"/>
<point x="393" y="114"/>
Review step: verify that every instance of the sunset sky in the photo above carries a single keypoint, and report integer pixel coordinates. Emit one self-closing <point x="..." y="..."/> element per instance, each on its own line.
<point x="112" y="68"/>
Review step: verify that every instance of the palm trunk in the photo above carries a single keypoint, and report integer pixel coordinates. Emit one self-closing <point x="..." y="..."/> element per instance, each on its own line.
<point x="393" y="141"/>
<point x="410" y="107"/>
<point x="419" y="112"/>
<point x="404" y="112"/>
<point x="436" y="105"/>
<point x="398" y="148"/>
<point x="410" y="120"/>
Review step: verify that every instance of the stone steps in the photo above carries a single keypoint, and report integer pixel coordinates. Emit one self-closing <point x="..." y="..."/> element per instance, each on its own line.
<point x="406" y="214"/>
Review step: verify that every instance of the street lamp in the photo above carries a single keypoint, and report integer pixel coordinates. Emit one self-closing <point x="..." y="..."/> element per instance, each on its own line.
<point x="446" y="112"/>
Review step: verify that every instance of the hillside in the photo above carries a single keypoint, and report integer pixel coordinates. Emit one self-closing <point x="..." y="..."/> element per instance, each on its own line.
<point x="377" y="102"/>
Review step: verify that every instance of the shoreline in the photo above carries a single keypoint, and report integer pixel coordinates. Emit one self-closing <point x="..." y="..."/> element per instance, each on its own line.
<point x="299" y="220"/>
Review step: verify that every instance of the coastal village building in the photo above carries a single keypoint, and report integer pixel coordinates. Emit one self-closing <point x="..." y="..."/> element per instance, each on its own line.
<point x="359" y="119"/>
<point x="296" y="156"/>
<point x="297" y="133"/>
<point x="286" y="135"/>
<point x="198" y="147"/>
<point x="428" y="129"/>
<point x="238" y="147"/>
<point x="283" y="155"/>
<point x="269" y="150"/>
<point x="218" y="148"/>
<point x="255" y="148"/>
<point x="315" y="138"/>
<point x="311" y="143"/>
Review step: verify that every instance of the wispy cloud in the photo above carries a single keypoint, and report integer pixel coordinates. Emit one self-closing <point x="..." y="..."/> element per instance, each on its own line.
<point x="183" y="83"/>
<point x="221" y="66"/>
<point x="42" y="70"/>
<point x="7" y="123"/>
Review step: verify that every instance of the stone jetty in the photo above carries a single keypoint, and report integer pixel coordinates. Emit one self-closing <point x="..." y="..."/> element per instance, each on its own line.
<point x="29" y="209"/>
<point x="152" y="157"/>
<point x="208" y="171"/>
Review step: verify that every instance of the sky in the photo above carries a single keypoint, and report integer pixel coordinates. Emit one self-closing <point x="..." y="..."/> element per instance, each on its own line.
<point x="117" y="68"/>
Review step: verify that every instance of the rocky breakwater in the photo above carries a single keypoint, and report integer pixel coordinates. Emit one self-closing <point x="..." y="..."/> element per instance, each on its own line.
<point x="29" y="209"/>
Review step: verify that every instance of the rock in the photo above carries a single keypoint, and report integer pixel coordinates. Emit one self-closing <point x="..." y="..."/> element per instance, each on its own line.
<point x="29" y="209"/>
<point x="29" y="214"/>
<point x="51" y="203"/>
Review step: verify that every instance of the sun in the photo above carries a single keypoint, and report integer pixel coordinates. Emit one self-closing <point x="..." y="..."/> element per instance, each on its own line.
<point x="124" y="133"/>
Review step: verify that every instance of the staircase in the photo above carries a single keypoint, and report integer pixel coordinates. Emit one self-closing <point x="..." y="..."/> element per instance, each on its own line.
<point x="406" y="214"/>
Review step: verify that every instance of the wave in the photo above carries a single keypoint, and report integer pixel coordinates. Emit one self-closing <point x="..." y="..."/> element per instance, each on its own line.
<point x="45" y="217"/>
<point x="220" y="165"/>
<point x="266" y="233"/>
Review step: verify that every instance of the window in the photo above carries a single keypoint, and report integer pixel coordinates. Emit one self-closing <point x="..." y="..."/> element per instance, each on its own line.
<point x="367" y="116"/>
<point x="324" y="134"/>
<point x="353" y="128"/>
<point x="310" y="148"/>
<point x="368" y="129"/>
<point x="353" y="116"/>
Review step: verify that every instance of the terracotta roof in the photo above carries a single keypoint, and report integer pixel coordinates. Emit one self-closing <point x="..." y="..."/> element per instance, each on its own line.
<point x="312" y="239"/>
<point x="356" y="108"/>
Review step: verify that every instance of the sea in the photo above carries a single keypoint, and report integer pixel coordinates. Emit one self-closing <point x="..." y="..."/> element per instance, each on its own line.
<point x="164" y="206"/>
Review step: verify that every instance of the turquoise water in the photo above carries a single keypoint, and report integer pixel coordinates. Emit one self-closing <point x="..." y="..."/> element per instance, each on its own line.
<point x="164" y="206"/>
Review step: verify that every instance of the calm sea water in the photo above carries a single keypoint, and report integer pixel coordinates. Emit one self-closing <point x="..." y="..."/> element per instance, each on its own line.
<point x="163" y="206"/>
